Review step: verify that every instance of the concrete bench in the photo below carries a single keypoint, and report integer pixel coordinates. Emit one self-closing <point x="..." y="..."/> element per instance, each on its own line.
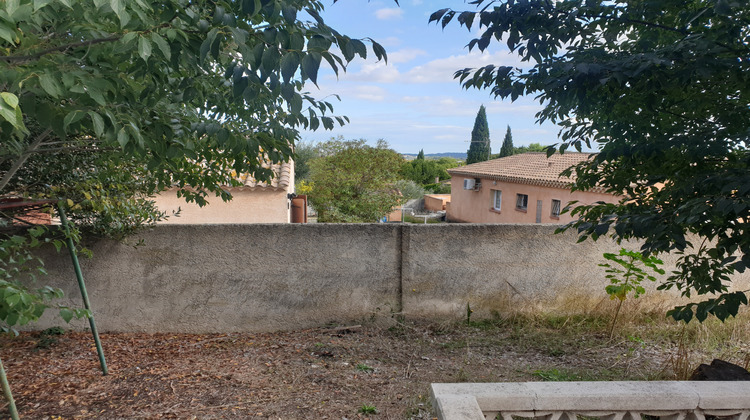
<point x="670" y="400"/>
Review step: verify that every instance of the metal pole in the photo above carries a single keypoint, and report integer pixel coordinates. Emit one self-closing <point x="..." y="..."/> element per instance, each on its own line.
<point x="8" y="395"/>
<point x="82" y="286"/>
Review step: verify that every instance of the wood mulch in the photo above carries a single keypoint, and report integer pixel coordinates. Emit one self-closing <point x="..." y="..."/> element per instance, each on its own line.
<point x="323" y="373"/>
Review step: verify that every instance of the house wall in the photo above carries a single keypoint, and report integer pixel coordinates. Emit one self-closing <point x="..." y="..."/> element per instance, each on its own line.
<point x="394" y="216"/>
<point x="477" y="206"/>
<point x="436" y="202"/>
<point x="265" y="277"/>
<point x="248" y="205"/>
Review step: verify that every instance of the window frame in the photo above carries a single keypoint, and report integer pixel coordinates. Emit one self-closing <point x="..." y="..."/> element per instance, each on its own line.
<point x="552" y="208"/>
<point x="522" y="202"/>
<point x="497" y="200"/>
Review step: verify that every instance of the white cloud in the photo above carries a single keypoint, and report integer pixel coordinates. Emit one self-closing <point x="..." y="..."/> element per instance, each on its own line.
<point x="526" y="106"/>
<point x="389" y="13"/>
<point x="372" y="72"/>
<point x="435" y="127"/>
<point x="349" y="93"/>
<point x="448" y="102"/>
<point x="370" y="93"/>
<point x="442" y="69"/>
<point x="391" y="41"/>
<point x="380" y="72"/>
<point x="451" y="137"/>
<point x="436" y="71"/>
<point x="405" y="55"/>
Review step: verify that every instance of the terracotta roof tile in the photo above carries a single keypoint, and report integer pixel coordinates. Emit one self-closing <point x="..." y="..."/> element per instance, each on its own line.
<point x="282" y="174"/>
<point x="281" y="178"/>
<point x="532" y="168"/>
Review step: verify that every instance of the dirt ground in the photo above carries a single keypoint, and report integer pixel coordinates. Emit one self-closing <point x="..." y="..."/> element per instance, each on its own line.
<point x="322" y="373"/>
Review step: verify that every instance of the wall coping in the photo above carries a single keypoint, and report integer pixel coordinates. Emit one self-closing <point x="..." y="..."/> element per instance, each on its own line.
<point x="614" y="400"/>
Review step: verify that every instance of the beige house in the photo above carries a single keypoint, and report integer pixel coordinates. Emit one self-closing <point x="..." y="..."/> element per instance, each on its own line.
<point x="436" y="202"/>
<point x="524" y="188"/>
<point x="254" y="202"/>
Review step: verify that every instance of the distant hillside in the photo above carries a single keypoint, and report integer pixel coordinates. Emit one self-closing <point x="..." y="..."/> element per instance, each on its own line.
<point x="457" y="155"/>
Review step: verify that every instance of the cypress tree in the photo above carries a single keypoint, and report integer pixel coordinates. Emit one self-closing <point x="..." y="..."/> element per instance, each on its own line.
<point x="420" y="156"/>
<point x="479" y="149"/>
<point x="507" y="148"/>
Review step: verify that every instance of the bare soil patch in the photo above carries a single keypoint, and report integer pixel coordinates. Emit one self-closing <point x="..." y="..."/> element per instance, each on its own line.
<point x="310" y="374"/>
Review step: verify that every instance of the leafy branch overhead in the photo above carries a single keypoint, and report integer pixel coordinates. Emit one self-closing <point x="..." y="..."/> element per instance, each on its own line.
<point x="662" y="89"/>
<point x="171" y="83"/>
<point x="21" y="304"/>
<point x="106" y="102"/>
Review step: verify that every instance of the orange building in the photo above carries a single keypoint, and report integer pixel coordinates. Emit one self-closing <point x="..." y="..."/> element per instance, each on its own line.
<point x="253" y="202"/>
<point x="524" y="188"/>
<point x="436" y="202"/>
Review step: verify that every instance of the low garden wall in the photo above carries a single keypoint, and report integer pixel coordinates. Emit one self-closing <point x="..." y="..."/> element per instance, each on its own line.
<point x="573" y="400"/>
<point x="265" y="277"/>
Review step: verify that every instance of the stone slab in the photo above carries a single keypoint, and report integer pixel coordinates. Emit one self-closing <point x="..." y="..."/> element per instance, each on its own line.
<point x="456" y="407"/>
<point x="460" y="401"/>
<point x="720" y="395"/>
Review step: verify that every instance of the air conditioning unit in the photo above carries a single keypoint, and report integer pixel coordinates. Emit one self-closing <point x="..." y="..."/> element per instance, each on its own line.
<point x="469" y="184"/>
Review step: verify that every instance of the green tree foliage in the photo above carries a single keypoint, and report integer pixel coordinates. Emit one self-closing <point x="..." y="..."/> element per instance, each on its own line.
<point x="409" y="189"/>
<point x="109" y="194"/>
<point x="353" y="182"/>
<point x="304" y="152"/>
<point x="105" y="102"/>
<point x="420" y="156"/>
<point x="479" y="149"/>
<point x="507" y="148"/>
<point x="21" y="302"/>
<point x="426" y="171"/>
<point x="192" y="90"/>
<point x="532" y="147"/>
<point x="628" y="276"/>
<point x="448" y="162"/>
<point x="662" y="88"/>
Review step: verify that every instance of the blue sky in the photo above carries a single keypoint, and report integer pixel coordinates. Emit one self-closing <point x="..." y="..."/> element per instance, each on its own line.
<point x="413" y="102"/>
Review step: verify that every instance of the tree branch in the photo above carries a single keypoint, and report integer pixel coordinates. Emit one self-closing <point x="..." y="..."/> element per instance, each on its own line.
<point x="22" y="159"/>
<point x="75" y="149"/>
<point x="78" y="142"/>
<point x="654" y="25"/>
<point x="60" y="48"/>
<point x="682" y="31"/>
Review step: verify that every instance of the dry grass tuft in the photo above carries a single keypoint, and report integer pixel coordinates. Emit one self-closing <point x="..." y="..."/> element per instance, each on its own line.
<point x="646" y="326"/>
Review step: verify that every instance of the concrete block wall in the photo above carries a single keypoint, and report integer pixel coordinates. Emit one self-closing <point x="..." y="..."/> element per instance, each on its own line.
<point x="266" y="277"/>
<point x="237" y="277"/>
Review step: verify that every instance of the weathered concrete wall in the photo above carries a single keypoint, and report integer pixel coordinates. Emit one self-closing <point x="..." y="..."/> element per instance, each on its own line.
<point x="499" y="268"/>
<point x="277" y="276"/>
<point x="238" y="277"/>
